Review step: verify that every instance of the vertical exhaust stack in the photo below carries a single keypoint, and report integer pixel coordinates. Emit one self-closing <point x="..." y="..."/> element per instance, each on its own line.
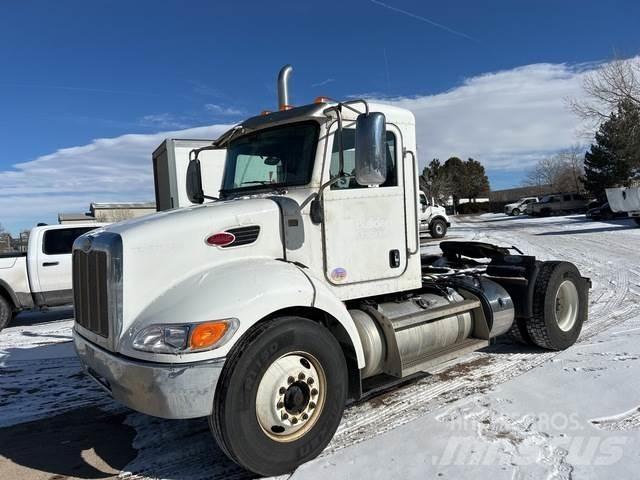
<point x="283" y="88"/>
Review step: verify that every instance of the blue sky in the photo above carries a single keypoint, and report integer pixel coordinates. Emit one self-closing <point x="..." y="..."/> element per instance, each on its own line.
<point x="77" y="71"/>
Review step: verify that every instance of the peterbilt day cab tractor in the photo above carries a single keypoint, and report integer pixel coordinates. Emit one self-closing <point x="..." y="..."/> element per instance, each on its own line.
<point x="301" y="288"/>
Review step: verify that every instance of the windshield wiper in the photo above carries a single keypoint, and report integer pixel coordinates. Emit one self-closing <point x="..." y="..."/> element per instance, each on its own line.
<point x="261" y="182"/>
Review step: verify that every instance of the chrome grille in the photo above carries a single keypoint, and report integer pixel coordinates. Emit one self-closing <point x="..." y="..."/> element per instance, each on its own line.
<point x="90" y="295"/>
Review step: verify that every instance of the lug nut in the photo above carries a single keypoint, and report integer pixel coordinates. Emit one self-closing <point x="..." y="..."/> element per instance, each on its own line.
<point x="305" y="416"/>
<point x="310" y="381"/>
<point x="301" y="376"/>
<point x="294" y="420"/>
<point x="285" y="415"/>
<point x="280" y="405"/>
<point x="282" y="391"/>
<point x="314" y="392"/>
<point x="291" y="380"/>
<point x="312" y="405"/>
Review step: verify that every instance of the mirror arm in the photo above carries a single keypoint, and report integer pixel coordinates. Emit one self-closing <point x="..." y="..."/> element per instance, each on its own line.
<point x="321" y="190"/>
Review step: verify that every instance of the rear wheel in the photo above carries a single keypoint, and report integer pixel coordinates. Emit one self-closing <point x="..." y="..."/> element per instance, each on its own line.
<point x="281" y="396"/>
<point x="6" y="312"/>
<point x="559" y="306"/>
<point x="438" y="228"/>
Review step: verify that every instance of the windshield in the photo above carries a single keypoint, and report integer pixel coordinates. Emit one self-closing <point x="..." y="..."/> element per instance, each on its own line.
<point x="276" y="157"/>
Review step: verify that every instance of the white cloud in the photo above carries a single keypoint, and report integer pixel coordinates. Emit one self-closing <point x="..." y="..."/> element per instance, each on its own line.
<point x="107" y="169"/>
<point x="506" y="120"/>
<point x="220" y="110"/>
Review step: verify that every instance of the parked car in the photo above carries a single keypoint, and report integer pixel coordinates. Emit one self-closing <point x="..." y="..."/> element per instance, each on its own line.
<point x="41" y="276"/>
<point x="516" y="208"/>
<point x="558" y="204"/>
<point x="604" y="212"/>
<point x="433" y="218"/>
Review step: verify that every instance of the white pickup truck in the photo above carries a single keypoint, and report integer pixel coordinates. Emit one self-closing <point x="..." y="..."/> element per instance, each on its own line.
<point x="41" y="276"/>
<point x="432" y="217"/>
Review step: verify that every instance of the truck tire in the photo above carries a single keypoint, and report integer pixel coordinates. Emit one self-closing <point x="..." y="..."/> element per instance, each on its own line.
<point x="559" y="306"/>
<point x="515" y="212"/>
<point x="438" y="228"/>
<point x="518" y="334"/>
<point x="6" y="312"/>
<point x="280" y="396"/>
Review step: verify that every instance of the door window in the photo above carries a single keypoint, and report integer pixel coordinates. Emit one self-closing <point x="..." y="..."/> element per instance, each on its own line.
<point x="60" y="241"/>
<point x="349" y="148"/>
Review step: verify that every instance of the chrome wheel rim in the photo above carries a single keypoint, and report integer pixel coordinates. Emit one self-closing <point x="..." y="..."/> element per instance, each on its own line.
<point x="291" y="396"/>
<point x="439" y="229"/>
<point x="566" y="305"/>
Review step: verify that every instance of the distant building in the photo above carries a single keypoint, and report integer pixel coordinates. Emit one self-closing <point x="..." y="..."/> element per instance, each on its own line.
<point x="513" y="194"/>
<point x="116" y="212"/>
<point x="66" y="218"/>
<point x="109" y="212"/>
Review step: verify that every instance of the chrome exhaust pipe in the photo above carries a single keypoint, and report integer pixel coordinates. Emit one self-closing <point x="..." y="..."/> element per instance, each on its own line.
<point x="283" y="87"/>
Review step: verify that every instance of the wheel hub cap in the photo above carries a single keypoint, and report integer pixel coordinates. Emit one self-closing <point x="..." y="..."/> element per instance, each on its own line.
<point x="290" y="396"/>
<point x="567" y="301"/>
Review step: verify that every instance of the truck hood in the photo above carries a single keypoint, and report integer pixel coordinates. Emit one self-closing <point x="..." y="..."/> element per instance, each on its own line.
<point x="160" y="251"/>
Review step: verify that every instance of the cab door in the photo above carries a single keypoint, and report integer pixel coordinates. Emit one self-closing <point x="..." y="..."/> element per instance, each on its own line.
<point x="364" y="227"/>
<point x="53" y="265"/>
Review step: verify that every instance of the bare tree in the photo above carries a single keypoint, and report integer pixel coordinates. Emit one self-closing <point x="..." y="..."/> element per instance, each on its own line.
<point x="560" y="172"/>
<point x="607" y="87"/>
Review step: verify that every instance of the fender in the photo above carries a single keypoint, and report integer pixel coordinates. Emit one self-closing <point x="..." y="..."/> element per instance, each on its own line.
<point x="248" y="289"/>
<point x="441" y="218"/>
<point x="8" y="293"/>
<point x="326" y="301"/>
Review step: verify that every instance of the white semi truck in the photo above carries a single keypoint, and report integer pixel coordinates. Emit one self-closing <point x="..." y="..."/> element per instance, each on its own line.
<point x="302" y="288"/>
<point x="170" y="161"/>
<point x="432" y="217"/>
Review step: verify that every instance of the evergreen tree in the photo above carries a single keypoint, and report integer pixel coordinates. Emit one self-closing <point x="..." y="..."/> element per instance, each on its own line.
<point x="614" y="158"/>
<point x="476" y="180"/>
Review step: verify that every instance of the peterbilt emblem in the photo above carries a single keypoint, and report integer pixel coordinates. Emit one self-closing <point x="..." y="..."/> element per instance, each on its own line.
<point x="84" y="243"/>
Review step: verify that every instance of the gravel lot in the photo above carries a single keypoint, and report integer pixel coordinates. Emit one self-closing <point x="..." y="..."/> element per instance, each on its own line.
<point x="504" y="412"/>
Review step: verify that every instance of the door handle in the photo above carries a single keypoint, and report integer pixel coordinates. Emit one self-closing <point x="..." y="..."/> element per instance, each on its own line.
<point x="50" y="264"/>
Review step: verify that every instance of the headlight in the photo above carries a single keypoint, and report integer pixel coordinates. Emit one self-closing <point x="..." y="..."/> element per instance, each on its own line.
<point x="185" y="338"/>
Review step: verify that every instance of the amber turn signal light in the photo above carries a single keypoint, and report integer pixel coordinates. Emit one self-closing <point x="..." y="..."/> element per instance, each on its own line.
<point x="207" y="334"/>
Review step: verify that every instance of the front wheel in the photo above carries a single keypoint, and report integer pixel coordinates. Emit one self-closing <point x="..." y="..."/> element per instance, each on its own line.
<point x="438" y="228"/>
<point x="559" y="306"/>
<point x="5" y="312"/>
<point x="280" y="396"/>
<point x="515" y="212"/>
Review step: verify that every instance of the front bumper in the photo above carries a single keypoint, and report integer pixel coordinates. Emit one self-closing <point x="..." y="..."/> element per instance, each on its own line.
<point x="159" y="389"/>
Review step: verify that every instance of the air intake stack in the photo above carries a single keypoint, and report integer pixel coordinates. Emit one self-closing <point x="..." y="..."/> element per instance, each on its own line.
<point x="283" y="88"/>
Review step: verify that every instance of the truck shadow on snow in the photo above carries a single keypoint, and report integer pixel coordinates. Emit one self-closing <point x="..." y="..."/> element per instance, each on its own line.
<point x="58" y="424"/>
<point x="45" y="316"/>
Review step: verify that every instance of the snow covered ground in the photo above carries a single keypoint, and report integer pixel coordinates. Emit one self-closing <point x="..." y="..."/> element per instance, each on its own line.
<point x="504" y="412"/>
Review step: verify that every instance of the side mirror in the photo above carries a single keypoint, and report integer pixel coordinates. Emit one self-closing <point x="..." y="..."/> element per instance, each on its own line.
<point x="371" y="153"/>
<point x="194" y="182"/>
